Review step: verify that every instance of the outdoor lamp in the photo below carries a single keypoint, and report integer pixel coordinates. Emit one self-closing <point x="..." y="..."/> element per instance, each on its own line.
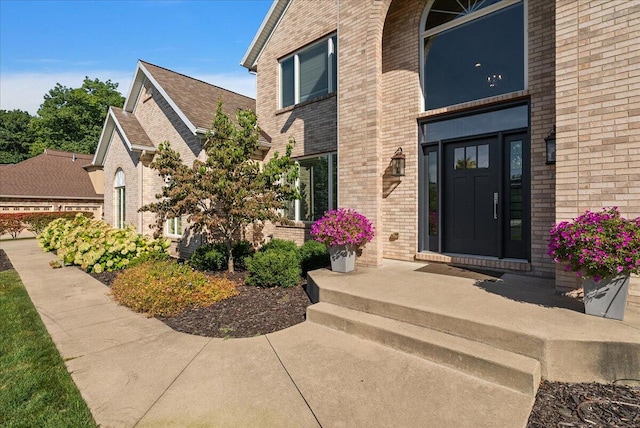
<point x="550" y="141"/>
<point x="397" y="163"/>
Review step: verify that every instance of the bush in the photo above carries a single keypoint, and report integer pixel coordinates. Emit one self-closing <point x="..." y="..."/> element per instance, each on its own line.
<point x="151" y="256"/>
<point x="166" y="288"/>
<point x="12" y="226"/>
<point x="272" y="268"/>
<point x="94" y="245"/>
<point x="313" y="255"/>
<point x="209" y="257"/>
<point x="33" y="222"/>
<point x="280" y="245"/>
<point x="241" y="250"/>
<point x="216" y="257"/>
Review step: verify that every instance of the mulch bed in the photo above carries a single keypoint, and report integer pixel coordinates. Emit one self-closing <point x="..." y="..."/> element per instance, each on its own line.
<point x="258" y="311"/>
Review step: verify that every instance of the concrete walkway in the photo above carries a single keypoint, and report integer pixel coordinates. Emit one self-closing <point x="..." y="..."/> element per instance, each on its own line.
<point x="135" y="371"/>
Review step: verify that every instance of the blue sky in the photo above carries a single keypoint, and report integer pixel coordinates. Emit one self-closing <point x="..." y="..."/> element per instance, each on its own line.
<point x="47" y="42"/>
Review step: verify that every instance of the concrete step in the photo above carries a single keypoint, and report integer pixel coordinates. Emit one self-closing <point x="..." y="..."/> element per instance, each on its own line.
<point x="495" y="365"/>
<point x="498" y="337"/>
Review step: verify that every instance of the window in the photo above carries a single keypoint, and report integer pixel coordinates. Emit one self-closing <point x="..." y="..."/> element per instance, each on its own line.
<point x="309" y="73"/>
<point x="472" y="50"/>
<point x="318" y="184"/>
<point x="174" y="226"/>
<point x="119" y="200"/>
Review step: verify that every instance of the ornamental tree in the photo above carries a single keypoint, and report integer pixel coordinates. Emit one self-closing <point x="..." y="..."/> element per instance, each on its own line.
<point x="230" y="189"/>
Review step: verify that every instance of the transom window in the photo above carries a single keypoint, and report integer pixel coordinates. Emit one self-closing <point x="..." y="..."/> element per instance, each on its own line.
<point x="472" y="49"/>
<point x="318" y="185"/>
<point x="309" y="73"/>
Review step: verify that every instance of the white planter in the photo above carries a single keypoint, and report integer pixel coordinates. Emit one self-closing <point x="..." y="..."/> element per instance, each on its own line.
<point x="343" y="258"/>
<point x="606" y="298"/>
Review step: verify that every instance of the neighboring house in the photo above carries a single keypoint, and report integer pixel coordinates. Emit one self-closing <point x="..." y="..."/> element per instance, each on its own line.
<point x="52" y="181"/>
<point x="162" y="105"/>
<point x="472" y="92"/>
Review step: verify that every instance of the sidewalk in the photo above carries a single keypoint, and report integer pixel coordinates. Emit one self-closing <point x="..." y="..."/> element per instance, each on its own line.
<point x="135" y="371"/>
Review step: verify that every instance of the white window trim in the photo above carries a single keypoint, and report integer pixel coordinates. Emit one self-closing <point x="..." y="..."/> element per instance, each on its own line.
<point x="120" y="205"/>
<point x="331" y="57"/>
<point x="463" y="20"/>
<point x="332" y="163"/>
<point x="170" y="225"/>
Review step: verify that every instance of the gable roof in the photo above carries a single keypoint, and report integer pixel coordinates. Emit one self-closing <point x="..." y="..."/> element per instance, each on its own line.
<point x="193" y="100"/>
<point x="269" y="24"/>
<point x="53" y="174"/>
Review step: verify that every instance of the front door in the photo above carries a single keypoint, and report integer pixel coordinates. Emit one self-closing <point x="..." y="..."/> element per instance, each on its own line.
<point x="471" y="196"/>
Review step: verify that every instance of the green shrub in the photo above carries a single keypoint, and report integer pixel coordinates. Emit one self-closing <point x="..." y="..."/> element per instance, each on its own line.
<point x="241" y="250"/>
<point x="94" y="245"/>
<point x="166" y="288"/>
<point x="216" y="256"/>
<point x="313" y="255"/>
<point x="209" y="257"/>
<point x="151" y="256"/>
<point x="281" y="245"/>
<point x="273" y="268"/>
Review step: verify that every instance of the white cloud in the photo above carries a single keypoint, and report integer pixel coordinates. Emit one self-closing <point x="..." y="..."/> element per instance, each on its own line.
<point x="25" y="91"/>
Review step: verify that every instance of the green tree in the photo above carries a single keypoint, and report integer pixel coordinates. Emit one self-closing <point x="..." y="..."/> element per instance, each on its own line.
<point x="15" y="137"/>
<point x="71" y="118"/>
<point x="229" y="190"/>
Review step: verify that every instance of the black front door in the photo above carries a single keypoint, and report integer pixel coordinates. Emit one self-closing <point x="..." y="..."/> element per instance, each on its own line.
<point x="471" y="172"/>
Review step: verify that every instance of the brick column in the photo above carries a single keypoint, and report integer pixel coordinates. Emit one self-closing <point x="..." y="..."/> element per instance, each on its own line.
<point x="360" y="157"/>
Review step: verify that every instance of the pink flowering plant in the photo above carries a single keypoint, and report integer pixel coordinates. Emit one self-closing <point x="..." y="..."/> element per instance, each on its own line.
<point x="597" y="244"/>
<point x="344" y="227"/>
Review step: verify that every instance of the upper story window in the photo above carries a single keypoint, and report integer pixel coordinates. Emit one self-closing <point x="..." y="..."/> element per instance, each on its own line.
<point x="309" y="73"/>
<point x="472" y="49"/>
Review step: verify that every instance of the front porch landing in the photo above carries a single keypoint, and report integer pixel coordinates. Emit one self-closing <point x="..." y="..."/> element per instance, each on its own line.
<point x="413" y="311"/>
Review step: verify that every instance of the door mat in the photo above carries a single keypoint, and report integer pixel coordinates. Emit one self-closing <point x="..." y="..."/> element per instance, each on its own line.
<point x="471" y="273"/>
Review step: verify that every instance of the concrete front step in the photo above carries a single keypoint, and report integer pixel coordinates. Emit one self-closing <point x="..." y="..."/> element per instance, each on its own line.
<point x="502" y="367"/>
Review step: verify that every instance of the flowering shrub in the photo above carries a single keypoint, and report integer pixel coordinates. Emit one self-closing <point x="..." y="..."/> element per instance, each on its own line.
<point x="598" y="244"/>
<point x="343" y="227"/>
<point x="14" y="223"/>
<point x="166" y="288"/>
<point x="94" y="245"/>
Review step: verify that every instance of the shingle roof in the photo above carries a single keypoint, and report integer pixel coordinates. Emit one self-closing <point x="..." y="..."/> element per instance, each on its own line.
<point x="198" y="100"/>
<point x="132" y="128"/>
<point x="51" y="174"/>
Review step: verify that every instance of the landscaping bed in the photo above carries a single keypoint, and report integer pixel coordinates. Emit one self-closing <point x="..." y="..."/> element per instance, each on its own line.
<point x="256" y="311"/>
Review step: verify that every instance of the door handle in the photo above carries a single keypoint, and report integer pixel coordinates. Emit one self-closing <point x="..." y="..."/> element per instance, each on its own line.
<point x="495" y="206"/>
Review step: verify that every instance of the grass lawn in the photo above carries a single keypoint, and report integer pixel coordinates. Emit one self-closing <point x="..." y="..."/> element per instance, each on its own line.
<point x="35" y="388"/>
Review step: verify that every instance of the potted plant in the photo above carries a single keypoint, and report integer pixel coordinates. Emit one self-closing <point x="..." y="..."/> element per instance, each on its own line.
<point x="343" y="231"/>
<point x="604" y="249"/>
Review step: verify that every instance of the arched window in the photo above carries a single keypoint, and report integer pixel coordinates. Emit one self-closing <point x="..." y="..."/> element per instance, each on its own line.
<point x="472" y="49"/>
<point x="119" y="200"/>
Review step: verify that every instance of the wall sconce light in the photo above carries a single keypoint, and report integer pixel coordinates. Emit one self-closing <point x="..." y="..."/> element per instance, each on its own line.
<point x="398" y="163"/>
<point x="550" y="141"/>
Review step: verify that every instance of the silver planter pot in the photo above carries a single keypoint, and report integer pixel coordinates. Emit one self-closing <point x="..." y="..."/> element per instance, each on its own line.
<point x="607" y="297"/>
<point x="343" y="258"/>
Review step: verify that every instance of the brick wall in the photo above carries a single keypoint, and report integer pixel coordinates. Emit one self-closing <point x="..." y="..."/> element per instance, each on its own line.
<point x="598" y="119"/>
<point x="311" y="124"/>
<point x="118" y="156"/>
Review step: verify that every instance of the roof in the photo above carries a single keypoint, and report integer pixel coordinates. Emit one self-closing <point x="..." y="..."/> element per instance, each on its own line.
<point x="269" y="24"/>
<point x="193" y="100"/>
<point x="130" y="128"/>
<point x="53" y="174"/>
